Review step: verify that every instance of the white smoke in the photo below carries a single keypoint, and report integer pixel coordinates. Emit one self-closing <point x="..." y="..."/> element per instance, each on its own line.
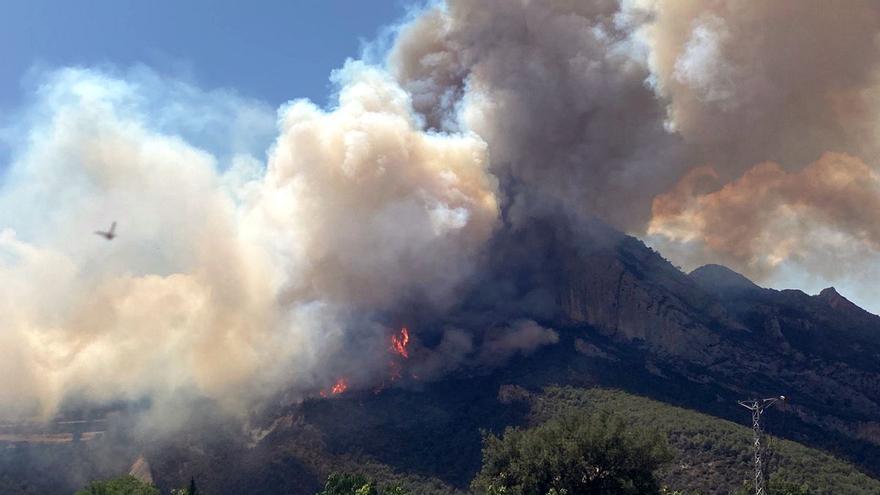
<point x="228" y="281"/>
<point x="363" y="207"/>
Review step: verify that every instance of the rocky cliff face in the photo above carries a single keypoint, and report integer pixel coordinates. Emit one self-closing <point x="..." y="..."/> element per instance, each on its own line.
<point x="716" y="328"/>
<point x="632" y="294"/>
<point x="614" y="300"/>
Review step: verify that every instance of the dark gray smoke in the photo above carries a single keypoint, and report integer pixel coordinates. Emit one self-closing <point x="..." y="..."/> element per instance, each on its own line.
<point x="558" y="90"/>
<point x="596" y="108"/>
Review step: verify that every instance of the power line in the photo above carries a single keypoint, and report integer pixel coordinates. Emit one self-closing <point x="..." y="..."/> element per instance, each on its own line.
<point x="757" y="406"/>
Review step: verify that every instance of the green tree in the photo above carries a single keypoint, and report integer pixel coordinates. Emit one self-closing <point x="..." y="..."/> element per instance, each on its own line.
<point x="788" y="488"/>
<point x="191" y="490"/>
<point x="778" y="487"/>
<point x="355" y="484"/>
<point x="124" y="485"/>
<point x="576" y="454"/>
<point x="348" y="484"/>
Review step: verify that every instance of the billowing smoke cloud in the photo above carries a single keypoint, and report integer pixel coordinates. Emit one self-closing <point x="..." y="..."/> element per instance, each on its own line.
<point x="557" y="89"/>
<point x="367" y="207"/>
<point x="765" y="81"/>
<point x="821" y="214"/>
<point x="138" y="316"/>
<point x="597" y="107"/>
<point x="260" y="253"/>
<point x="227" y="285"/>
<point x="785" y="83"/>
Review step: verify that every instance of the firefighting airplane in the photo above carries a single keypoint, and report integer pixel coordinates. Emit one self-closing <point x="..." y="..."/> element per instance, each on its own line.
<point x="109" y="234"/>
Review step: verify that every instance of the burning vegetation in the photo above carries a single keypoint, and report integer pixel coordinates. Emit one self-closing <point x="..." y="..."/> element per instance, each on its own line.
<point x="399" y="348"/>
<point x="400" y="342"/>
<point x="340" y="386"/>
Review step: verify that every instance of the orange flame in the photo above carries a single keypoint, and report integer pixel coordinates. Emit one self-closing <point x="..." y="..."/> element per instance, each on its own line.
<point x="340" y="386"/>
<point x="399" y="343"/>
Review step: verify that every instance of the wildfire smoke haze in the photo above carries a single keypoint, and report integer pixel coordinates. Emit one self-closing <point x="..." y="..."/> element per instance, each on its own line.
<point x="268" y="252"/>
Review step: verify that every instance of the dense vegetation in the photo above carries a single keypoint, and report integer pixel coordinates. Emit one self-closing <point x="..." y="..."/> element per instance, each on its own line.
<point x="577" y="447"/>
<point x="129" y="485"/>
<point x="125" y="485"/>
<point x="711" y="453"/>
<point x="573" y="454"/>
<point x="356" y="484"/>
<point x="413" y="440"/>
<point x="779" y="487"/>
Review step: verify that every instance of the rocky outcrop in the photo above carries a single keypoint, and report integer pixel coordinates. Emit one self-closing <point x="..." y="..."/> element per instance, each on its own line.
<point x="846" y="309"/>
<point x="720" y="279"/>
<point x="716" y="327"/>
<point x="633" y="294"/>
<point x="612" y="299"/>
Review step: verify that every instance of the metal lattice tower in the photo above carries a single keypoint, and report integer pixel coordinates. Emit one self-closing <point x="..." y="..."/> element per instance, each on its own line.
<point x="757" y="406"/>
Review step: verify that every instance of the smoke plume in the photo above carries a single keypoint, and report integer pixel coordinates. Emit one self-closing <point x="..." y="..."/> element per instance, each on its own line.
<point x="557" y="89"/>
<point x="765" y="81"/>
<point x="778" y="103"/>
<point x="821" y="214"/>
<point x="225" y="282"/>
<point x="264" y="252"/>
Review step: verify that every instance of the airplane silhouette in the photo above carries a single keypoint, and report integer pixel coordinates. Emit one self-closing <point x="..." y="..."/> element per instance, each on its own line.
<point x="110" y="234"/>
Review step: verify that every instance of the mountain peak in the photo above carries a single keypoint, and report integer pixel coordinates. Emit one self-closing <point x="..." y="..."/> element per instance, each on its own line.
<point x="720" y="278"/>
<point x="830" y="292"/>
<point x="834" y="299"/>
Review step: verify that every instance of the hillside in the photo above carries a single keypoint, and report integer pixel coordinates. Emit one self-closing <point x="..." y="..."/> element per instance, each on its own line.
<point x="428" y="436"/>
<point x="413" y="438"/>
<point x="714" y="338"/>
<point x="714" y="455"/>
<point x="626" y="320"/>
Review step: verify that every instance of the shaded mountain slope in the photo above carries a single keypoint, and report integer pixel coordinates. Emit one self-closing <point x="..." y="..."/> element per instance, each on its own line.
<point x="734" y="339"/>
<point x="428" y="437"/>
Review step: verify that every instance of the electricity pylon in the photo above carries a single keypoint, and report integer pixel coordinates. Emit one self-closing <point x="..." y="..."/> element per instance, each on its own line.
<point x="757" y="406"/>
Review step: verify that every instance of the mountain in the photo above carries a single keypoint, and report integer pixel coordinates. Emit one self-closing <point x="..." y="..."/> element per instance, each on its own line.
<point x="627" y="320"/>
<point x="428" y="440"/>
<point x="728" y="338"/>
<point x="636" y="335"/>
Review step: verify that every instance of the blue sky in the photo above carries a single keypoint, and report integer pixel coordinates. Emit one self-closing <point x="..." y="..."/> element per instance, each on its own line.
<point x="270" y="50"/>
